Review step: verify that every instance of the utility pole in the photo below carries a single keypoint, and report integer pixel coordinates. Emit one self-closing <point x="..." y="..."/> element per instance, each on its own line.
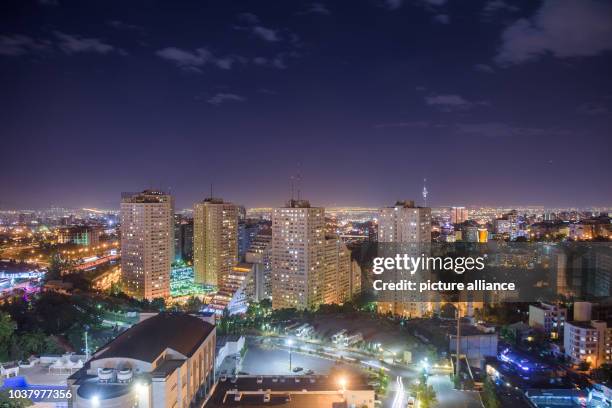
<point x="458" y="339"/>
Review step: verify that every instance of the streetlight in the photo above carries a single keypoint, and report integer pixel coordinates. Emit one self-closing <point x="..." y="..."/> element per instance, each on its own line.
<point x="342" y="382"/>
<point x="289" y="343"/>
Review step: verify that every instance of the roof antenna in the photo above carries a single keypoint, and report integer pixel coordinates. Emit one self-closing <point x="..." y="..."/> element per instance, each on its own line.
<point x="299" y="181"/>
<point x="425" y="192"/>
<point x="292" y="186"/>
<point x="211" y="191"/>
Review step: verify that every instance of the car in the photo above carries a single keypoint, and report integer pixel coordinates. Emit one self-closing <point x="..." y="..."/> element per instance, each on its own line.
<point x="259" y="379"/>
<point x="309" y="372"/>
<point x="266" y="397"/>
<point x="274" y="379"/>
<point x="411" y="402"/>
<point x="298" y="369"/>
<point x="234" y="379"/>
<point x="223" y="378"/>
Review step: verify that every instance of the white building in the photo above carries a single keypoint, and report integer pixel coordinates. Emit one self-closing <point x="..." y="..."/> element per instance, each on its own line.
<point x="147" y="247"/>
<point x="589" y="342"/>
<point x="298" y="248"/>
<point x="165" y="361"/>
<point x="548" y="318"/>
<point x="404" y="223"/>
<point x="403" y="228"/>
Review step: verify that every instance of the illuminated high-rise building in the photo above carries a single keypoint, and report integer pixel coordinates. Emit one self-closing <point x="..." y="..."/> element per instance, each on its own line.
<point x="342" y="277"/>
<point x="459" y="215"/>
<point x="260" y="255"/>
<point x="298" y="251"/>
<point x="215" y="240"/>
<point x="403" y="228"/>
<point x="147" y="243"/>
<point x="404" y="223"/>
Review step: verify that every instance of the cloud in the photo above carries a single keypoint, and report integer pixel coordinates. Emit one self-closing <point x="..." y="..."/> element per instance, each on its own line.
<point x="120" y="25"/>
<point x="266" y="34"/>
<point x="495" y="6"/>
<point x="393" y="4"/>
<point x="497" y="129"/>
<point x="17" y="44"/>
<point x="484" y="68"/>
<point x="441" y="18"/>
<point x="448" y="102"/>
<point x="275" y="62"/>
<point x="593" y="109"/>
<point x="562" y="28"/>
<point x="316" y="8"/>
<point x="279" y="61"/>
<point x="72" y="44"/>
<point x="221" y="98"/>
<point x="192" y="61"/>
<point x="249" y="18"/>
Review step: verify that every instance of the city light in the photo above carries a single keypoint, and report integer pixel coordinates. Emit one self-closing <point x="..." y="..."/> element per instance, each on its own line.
<point x="342" y="382"/>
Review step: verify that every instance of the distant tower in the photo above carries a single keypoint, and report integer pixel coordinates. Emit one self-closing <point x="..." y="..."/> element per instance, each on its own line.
<point x="425" y="192"/>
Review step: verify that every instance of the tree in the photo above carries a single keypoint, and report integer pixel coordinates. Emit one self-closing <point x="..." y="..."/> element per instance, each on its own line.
<point x="54" y="271"/>
<point x="425" y="394"/>
<point x="7" y="329"/>
<point x="489" y="397"/>
<point x="194" y="304"/>
<point x="6" y="402"/>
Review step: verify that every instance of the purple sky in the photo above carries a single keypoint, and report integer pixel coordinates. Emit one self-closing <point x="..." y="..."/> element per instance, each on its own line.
<point x="494" y="102"/>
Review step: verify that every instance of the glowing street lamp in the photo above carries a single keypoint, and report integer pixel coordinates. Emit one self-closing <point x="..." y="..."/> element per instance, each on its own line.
<point x="290" y="343"/>
<point x="342" y="383"/>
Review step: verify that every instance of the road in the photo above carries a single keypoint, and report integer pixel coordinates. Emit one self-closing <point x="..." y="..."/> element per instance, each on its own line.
<point x="397" y="396"/>
<point x="400" y="393"/>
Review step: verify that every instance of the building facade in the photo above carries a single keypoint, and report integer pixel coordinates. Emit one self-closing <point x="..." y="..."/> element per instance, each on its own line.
<point x="298" y="251"/>
<point x="548" y="318"/>
<point x="215" y="240"/>
<point x="342" y="276"/>
<point x="459" y="215"/>
<point x="403" y="228"/>
<point x="588" y="342"/>
<point x="164" y="361"/>
<point x="147" y="243"/>
<point x="260" y="255"/>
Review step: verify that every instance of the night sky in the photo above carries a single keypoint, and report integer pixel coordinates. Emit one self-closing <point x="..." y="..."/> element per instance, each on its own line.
<point x="494" y="102"/>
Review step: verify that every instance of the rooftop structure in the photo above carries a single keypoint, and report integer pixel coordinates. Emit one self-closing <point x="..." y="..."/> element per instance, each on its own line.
<point x="166" y="360"/>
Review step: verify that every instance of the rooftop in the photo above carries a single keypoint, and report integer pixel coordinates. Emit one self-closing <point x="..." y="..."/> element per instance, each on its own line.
<point x="288" y="391"/>
<point x="145" y="341"/>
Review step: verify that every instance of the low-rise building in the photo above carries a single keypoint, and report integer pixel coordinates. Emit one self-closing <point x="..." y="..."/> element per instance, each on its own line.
<point x="588" y="342"/>
<point x="79" y="235"/>
<point x="475" y="343"/>
<point x="292" y="391"/>
<point x="236" y="290"/>
<point x="164" y="361"/>
<point x="548" y="318"/>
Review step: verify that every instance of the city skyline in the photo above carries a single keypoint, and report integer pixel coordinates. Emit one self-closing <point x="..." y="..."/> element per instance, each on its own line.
<point x="493" y="102"/>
